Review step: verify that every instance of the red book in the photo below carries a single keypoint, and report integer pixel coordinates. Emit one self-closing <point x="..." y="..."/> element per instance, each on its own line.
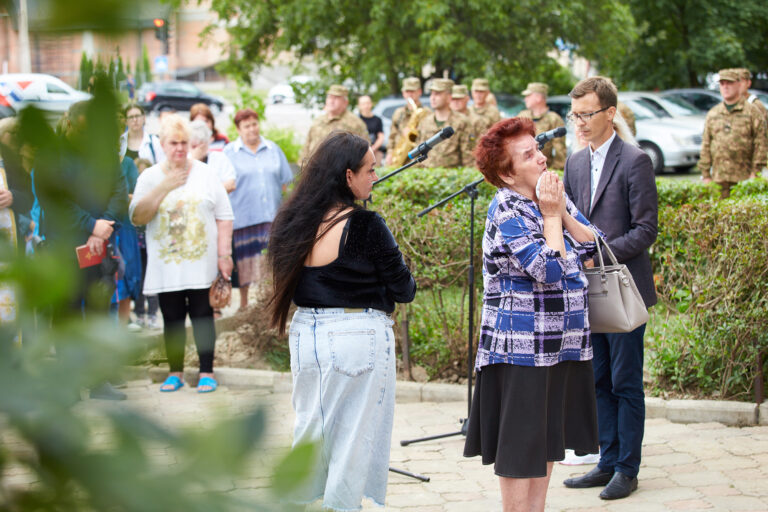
<point x="86" y="258"/>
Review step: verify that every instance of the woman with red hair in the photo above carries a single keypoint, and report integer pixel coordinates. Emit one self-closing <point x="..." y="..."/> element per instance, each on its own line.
<point x="535" y="394"/>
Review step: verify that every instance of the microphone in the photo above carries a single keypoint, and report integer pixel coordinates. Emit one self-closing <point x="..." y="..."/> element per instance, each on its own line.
<point x="424" y="147"/>
<point x="545" y="137"/>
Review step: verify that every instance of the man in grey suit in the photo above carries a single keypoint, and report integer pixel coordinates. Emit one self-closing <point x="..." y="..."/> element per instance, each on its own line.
<point x="613" y="185"/>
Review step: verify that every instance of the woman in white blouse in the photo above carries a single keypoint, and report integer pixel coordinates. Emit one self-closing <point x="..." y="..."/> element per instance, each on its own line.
<point x="189" y="240"/>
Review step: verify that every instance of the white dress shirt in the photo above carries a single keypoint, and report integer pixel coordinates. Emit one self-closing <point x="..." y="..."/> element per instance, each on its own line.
<point x="597" y="161"/>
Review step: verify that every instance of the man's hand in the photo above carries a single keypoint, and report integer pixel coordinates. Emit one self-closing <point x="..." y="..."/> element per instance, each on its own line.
<point x="706" y="180"/>
<point x="103" y="229"/>
<point x="95" y="244"/>
<point x="6" y="198"/>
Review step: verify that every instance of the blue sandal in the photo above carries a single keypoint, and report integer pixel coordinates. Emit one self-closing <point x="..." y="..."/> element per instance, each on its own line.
<point x="207" y="381"/>
<point x="173" y="381"/>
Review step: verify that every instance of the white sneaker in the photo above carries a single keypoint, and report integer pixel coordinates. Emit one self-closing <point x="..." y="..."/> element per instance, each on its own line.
<point x="152" y="322"/>
<point x="571" y="459"/>
<point x="133" y="327"/>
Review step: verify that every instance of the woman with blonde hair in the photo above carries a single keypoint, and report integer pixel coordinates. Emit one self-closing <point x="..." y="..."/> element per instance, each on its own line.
<point x="189" y="237"/>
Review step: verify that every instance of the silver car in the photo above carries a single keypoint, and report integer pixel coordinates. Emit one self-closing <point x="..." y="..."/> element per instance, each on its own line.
<point x="669" y="130"/>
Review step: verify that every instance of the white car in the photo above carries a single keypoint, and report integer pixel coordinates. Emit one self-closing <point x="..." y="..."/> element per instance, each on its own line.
<point x="669" y="132"/>
<point x="46" y="92"/>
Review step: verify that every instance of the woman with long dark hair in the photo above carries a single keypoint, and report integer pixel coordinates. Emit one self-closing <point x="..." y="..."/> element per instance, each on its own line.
<point x="340" y="264"/>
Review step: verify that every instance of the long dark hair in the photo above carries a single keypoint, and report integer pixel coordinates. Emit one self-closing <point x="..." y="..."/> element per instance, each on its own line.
<point x="322" y="188"/>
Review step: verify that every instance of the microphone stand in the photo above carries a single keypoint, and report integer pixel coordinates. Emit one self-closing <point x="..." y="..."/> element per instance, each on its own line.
<point x="413" y="162"/>
<point x="418" y="159"/>
<point x="471" y="191"/>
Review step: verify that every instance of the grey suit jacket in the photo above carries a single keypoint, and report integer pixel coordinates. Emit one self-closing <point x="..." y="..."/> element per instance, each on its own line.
<point x="625" y="206"/>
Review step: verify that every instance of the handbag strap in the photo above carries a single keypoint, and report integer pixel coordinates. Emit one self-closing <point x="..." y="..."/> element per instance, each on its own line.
<point x="598" y="241"/>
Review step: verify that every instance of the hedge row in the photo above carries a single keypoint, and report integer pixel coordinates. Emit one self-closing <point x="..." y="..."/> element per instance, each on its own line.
<point x="710" y="260"/>
<point x="709" y="332"/>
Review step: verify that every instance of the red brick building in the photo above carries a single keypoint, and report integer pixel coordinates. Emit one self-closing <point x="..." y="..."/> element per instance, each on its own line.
<point x="58" y="52"/>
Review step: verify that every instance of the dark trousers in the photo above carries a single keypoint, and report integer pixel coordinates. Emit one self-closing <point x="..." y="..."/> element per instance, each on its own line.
<point x="618" y="365"/>
<point x="152" y="300"/>
<point x="175" y="306"/>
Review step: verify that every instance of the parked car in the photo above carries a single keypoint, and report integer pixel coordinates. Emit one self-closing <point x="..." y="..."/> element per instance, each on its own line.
<point x="46" y="92"/>
<point x="705" y="99"/>
<point x="702" y="99"/>
<point x="175" y="95"/>
<point x="670" y="141"/>
<point x="6" y="111"/>
<point x="509" y="104"/>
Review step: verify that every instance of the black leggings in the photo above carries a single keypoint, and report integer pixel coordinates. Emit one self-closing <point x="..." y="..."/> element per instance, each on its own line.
<point x="174" y="307"/>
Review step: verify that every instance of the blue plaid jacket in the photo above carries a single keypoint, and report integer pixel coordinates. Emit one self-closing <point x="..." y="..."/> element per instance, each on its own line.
<point x="535" y="302"/>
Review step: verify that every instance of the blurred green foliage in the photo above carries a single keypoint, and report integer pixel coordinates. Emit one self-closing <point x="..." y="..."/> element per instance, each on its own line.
<point x="711" y="333"/>
<point x="57" y="452"/>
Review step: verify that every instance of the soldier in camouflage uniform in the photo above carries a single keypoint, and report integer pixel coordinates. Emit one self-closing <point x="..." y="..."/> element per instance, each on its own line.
<point x="544" y="120"/>
<point x="483" y="109"/>
<point x="459" y="101"/>
<point x="402" y="116"/>
<point x="335" y="117"/>
<point x="457" y="150"/>
<point x="746" y="82"/>
<point x="733" y="145"/>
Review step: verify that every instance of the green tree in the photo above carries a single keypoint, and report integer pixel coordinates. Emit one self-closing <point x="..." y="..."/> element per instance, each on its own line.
<point x="146" y="69"/>
<point x="86" y="70"/>
<point x="377" y="44"/>
<point x="680" y="41"/>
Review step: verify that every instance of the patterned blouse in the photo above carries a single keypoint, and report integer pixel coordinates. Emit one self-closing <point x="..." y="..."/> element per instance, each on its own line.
<point x="535" y="303"/>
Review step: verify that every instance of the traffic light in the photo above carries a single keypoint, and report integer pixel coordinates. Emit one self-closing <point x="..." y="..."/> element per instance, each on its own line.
<point x="161" y="32"/>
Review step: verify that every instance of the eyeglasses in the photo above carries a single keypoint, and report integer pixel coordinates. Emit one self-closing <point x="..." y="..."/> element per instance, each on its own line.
<point x="138" y="116"/>
<point x="573" y="116"/>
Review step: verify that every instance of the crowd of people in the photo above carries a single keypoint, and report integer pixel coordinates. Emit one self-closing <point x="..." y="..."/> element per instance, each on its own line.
<point x="154" y="221"/>
<point x="181" y="207"/>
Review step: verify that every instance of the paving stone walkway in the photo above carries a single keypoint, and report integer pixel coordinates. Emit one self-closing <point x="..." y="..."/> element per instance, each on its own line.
<point x="704" y="466"/>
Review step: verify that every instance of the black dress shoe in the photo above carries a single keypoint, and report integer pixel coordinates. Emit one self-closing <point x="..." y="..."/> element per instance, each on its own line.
<point x="619" y="487"/>
<point x="595" y="478"/>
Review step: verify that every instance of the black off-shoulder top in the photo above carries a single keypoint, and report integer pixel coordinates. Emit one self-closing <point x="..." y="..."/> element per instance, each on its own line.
<point x="368" y="273"/>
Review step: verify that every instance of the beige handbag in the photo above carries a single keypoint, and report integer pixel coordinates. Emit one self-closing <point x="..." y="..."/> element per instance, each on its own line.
<point x="615" y="305"/>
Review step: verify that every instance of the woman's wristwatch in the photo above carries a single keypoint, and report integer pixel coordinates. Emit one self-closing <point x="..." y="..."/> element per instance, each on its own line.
<point x="225" y="256"/>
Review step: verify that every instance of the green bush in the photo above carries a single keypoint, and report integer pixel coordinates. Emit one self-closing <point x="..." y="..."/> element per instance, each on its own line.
<point x="285" y="138"/>
<point x="712" y="279"/>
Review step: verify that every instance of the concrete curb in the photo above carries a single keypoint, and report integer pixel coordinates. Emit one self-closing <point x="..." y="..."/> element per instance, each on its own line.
<point x="678" y="411"/>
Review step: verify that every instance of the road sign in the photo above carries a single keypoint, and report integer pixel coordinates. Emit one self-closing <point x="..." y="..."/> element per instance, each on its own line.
<point x="161" y="64"/>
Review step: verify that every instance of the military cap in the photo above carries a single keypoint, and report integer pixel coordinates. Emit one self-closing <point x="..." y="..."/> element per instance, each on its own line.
<point x="729" y="75"/>
<point x="480" y="84"/>
<point x="441" y="85"/>
<point x="411" y="84"/>
<point x="338" y="90"/>
<point x="536" y="87"/>
<point x="745" y="74"/>
<point x="459" y="91"/>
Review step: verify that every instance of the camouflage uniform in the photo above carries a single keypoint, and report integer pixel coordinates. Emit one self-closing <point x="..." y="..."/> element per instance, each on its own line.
<point x="554" y="150"/>
<point x="324" y="125"/>
<point x="453" y="152"/>
<point x="486" y="117"/>
<point x="476" y="123"/>
<point x="489" y="114"/>
<point x="734" y="143"/>
<point x="400" y="120"/>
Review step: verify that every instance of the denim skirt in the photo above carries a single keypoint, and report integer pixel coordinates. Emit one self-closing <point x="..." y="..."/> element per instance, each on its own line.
<point x="343" y="365"/>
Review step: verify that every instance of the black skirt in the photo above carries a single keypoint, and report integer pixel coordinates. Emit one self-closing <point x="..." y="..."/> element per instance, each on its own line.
<point x="524" y="416"/>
